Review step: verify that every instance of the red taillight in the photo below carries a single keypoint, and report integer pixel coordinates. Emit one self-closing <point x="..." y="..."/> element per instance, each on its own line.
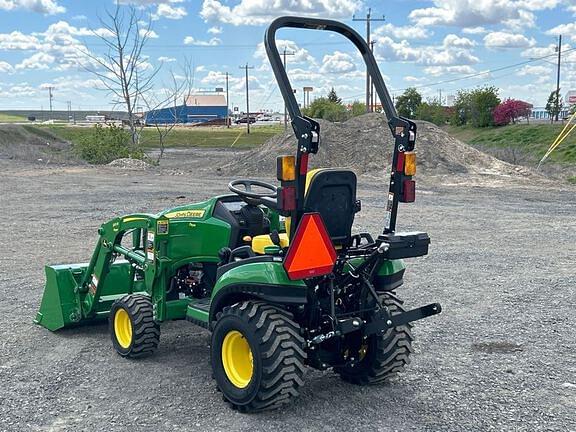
<point x="409" y="191"/>
<point x="287" y="198"/>
<point x="304" y="164"/>
<point x="400" y="162"/>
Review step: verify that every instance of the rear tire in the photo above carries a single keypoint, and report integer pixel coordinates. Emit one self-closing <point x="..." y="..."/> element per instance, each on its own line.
<point x="257" y="356"/>
<point x="132" y="327"/>
<point x="384" y="355"/>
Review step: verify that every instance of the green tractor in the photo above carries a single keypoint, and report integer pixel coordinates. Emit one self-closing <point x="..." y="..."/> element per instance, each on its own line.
<point x="274" y="273"/>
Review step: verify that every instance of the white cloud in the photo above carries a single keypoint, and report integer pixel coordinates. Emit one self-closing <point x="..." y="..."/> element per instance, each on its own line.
<point x="388" y="49"/>
<point x="474" y="30"/>
<point x="338" y="62"/>
<point x="165" y="10"/>
<point x="165" y="59"/>
<point x="503" y="40"/>
<point x="536" y="70"/>
<point x="150" y="34"/>
<point x="38" y="61"/>
<point x="403" y="32"/>
<point x="453" y="40"/>
<point x="260" y="12"/>
<point x="18" y="41"/>
<point x="46" y="7"/>
<point x="298" y="55"/>
<point x="215" y="30"/>
<point x="475" y="13"/>
<point x="443" y="70"/>
<point x="6" y="67"/>
<point x="568" y="29"/>
<point x="189" y="40"/>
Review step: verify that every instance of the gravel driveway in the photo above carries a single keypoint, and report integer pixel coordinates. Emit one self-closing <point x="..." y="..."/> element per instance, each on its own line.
<point x="502" y="355"/>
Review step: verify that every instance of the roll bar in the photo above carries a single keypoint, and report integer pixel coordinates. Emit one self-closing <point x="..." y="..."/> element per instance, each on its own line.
<point x="330" y="25"/>
<point x="307" y="131"/>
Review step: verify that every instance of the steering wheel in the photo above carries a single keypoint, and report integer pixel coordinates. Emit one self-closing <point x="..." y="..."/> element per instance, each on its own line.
<point x="247" y="194"/>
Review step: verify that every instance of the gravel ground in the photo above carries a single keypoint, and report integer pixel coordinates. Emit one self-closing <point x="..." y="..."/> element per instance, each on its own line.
<point x="500" y="357"/>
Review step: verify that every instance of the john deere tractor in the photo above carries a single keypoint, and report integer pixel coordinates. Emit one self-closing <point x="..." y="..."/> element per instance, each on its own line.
<point x="275" y="273"/>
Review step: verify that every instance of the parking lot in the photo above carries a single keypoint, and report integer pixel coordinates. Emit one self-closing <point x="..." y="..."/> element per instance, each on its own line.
<point x="500" y="357"/>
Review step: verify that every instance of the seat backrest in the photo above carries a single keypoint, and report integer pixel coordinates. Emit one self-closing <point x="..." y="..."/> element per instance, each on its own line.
<point x="332" y="193"/>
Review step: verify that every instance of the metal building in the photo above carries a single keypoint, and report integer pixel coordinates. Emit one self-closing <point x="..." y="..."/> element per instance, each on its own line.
<point x="196" y="109"/>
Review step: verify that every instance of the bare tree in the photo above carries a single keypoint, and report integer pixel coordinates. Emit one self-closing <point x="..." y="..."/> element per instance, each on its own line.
<point x="166" y="107"/>
<point x="124" y="70"/>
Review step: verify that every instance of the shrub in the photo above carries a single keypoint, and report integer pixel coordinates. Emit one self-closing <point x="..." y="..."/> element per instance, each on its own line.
<point x="103" y="144"/>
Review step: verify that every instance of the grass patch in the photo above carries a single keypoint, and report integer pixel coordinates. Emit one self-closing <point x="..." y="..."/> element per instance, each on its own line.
<point x="572" y="180"/>
<point x="10" y="118"/>
<point x="533" y="140"/>
<point x="185" y="137"/>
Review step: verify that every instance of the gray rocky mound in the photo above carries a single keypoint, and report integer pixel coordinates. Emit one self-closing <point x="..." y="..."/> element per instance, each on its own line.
<point x="127" y="163"/>
<point x="364" y="144"/>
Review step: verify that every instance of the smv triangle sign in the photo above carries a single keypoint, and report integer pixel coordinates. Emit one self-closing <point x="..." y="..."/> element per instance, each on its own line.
<point x="311" y="252"/>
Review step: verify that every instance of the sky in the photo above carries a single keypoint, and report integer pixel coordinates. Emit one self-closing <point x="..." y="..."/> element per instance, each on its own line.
<point x="437" y="46"/>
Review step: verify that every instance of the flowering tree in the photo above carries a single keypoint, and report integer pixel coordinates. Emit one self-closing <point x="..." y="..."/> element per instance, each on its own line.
<point x="510" y="111"/>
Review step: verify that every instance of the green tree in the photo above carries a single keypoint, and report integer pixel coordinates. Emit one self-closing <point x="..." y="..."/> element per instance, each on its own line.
<point x="325" y="109"/>
<point x="358" y="108"/>
<point x="333" y="97"/>
<point x="408" y="102"/>
<point x="484" y="101"/>
<point x="462" y="108"/>
<point x="554" y="105"/>
<point x="475" y="107"/>
<point x="433" y="112"/>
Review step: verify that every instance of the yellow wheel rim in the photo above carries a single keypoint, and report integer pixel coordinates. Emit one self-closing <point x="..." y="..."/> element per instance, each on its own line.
<point x="237" y="359"/>
<point x="123" y="328"/>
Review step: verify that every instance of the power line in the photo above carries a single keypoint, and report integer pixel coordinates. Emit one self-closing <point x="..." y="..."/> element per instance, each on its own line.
<point x="368" y="21"/>
<point x="515" y="65"/>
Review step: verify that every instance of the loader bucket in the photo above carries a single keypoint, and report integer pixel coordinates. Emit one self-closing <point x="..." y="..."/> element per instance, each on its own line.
<point x="62" y="301"/>
<point x="60" y="305"/>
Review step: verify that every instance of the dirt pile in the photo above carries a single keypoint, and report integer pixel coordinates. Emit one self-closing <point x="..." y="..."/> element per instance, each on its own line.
<point x="364" y="144"/>
<point x="32" y="144"/>
<point x="131" y="164"/>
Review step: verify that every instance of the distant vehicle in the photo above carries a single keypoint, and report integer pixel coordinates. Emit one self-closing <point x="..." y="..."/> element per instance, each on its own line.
<point x="96" y="118"/>
<point x="265" y="118"/>
<point x="245" y="120"/>
<point x="31" y="118"/>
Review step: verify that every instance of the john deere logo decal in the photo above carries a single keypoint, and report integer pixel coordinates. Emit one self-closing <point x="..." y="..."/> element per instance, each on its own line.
<point x="185" y="214"/>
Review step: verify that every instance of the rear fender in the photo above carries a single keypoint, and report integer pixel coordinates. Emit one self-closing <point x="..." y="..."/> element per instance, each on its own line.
<point x="266" y="281"/>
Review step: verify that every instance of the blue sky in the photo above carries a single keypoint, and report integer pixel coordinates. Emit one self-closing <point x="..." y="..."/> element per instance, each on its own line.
<point x="433" y="45"/>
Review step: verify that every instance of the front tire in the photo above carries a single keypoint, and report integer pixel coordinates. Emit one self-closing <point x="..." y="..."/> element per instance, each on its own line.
<point x="383" y="356"/>
<point x="132" y="327"/>
<point x="257" y="356"/>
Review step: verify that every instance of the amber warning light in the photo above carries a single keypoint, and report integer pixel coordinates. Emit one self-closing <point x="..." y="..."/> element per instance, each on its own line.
<point x="311" y="252"/>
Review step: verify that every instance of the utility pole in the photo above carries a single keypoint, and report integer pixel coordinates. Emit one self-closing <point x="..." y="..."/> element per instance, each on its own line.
<point x="246" y="67"/>
<point x="286" y="53"/>
<point x="372" y="98"/>
<point x="227" y="104"/>
<point x="50" y="96"/>
<point x="559" y="49"/>
<point x="368" y="21"/>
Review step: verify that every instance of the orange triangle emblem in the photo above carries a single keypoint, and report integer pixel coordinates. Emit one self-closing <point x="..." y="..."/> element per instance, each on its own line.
<point x="311" y="252"/>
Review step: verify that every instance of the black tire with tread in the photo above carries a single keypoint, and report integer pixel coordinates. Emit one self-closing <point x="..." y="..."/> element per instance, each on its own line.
<point x="387" y="354"/>
<point x="145" y="330"/>
<point x="278" y="353"/>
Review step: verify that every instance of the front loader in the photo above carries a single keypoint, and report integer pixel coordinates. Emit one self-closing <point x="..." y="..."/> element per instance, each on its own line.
<point x="275" y="273"/>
